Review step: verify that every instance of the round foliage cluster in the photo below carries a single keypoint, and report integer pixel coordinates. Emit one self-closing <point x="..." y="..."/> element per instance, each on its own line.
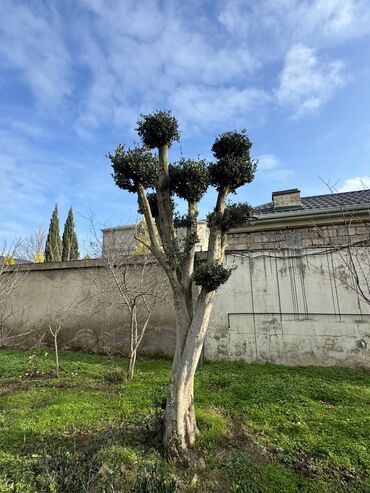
<point x="133" y="167"/>
<point x="211" y="275"/>
<point x="158" y="129"/>
<point x="236" y="144"/>
<point x="235" y="215"/>
<point x="234" y="166"/>
<point x="189" y="179"/>
<point x="232" y="172"/>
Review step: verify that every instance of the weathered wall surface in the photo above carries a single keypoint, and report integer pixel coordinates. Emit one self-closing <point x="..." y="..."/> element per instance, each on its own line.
<point x="290" y="306"/>
<point x="304" y="236"/>
<point x="77" y="292"/>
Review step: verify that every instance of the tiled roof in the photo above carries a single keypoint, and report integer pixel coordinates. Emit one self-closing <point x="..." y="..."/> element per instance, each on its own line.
<point x="329" y="201"/>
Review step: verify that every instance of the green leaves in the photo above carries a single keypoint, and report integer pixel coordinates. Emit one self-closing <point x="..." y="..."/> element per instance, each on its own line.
<point x="133" y="167"/>
<point x="53" y="246"/>
<point x="235" y="215"/>
<point x="211" y="275"/>
<point x="158" y="129"/>
<point x="231" y="144"/>
<point x="70" y="243"/>
<point x="234" y="166"/>
<point x="189" y="179"/>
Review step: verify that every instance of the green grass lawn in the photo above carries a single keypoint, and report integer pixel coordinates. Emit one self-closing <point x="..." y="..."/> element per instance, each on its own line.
<point x="263" y="428"/>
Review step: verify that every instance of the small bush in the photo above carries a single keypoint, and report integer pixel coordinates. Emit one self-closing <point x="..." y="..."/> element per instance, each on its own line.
<point x="211" y="275"/>
<point x="38" y="258"/>
<point x="117" y="375"/>
<point x="158" y="129"/>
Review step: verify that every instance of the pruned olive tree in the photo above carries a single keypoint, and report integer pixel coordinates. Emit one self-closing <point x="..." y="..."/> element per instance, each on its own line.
<point x="156" y="182"/>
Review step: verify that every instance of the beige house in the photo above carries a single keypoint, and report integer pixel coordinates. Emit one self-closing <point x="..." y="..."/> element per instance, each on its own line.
<point x="122" y="239"/>
<point x="295" y="222"/>
<point x="288" y="221"/>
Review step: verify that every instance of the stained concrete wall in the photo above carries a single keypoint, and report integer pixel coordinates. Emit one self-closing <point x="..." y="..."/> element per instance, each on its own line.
<point x="82" y="295"/>
<point x="290" y="306"/>
<point x="295" y="307"/>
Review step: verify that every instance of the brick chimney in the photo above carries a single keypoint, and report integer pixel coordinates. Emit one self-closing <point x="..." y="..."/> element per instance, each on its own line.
<point x="287" y="199"/>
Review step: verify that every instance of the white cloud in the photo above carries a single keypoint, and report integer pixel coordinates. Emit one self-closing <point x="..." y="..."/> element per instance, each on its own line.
<point x="35" y="174"/>
<point x="32" y="178"/>
<point x="355" y="183"/>
<point x="272" y="170"/>
<point x="275" y="25"/>
<point x="22" y="192"/>
<point x="149" y="57"/>
<point x="117" y="59"/>
<point x="211" y="106"/>
<point x="31" y="44"/>
<point x="268" y="162"/>
<point x="307" y="81"/>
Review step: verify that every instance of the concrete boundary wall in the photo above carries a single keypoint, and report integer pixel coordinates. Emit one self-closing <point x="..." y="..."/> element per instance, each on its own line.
<point x="295" y="307"/>
<point x="291" y="306"/>
<point x="93" y="318"/>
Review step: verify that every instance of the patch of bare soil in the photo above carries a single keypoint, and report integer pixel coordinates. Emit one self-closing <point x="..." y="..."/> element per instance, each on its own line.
<point x="40" y="374"/>
<point x="307" y="465"/>
<point x="8" y="387"/>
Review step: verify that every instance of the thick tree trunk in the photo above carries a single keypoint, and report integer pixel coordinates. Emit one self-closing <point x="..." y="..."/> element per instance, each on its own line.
<point x="180" y="418"/>
<point x="183" y="320"/>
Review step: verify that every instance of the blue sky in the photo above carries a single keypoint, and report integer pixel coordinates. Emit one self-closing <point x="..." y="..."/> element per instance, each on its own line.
<point x="75" y="75"/>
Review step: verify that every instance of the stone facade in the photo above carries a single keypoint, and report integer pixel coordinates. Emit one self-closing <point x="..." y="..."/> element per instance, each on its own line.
<point x="332" y="235"/>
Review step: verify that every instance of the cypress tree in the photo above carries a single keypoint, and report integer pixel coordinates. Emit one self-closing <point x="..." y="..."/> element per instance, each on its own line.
<point x="53" y="246"/>
<point x="70" y="243"/>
